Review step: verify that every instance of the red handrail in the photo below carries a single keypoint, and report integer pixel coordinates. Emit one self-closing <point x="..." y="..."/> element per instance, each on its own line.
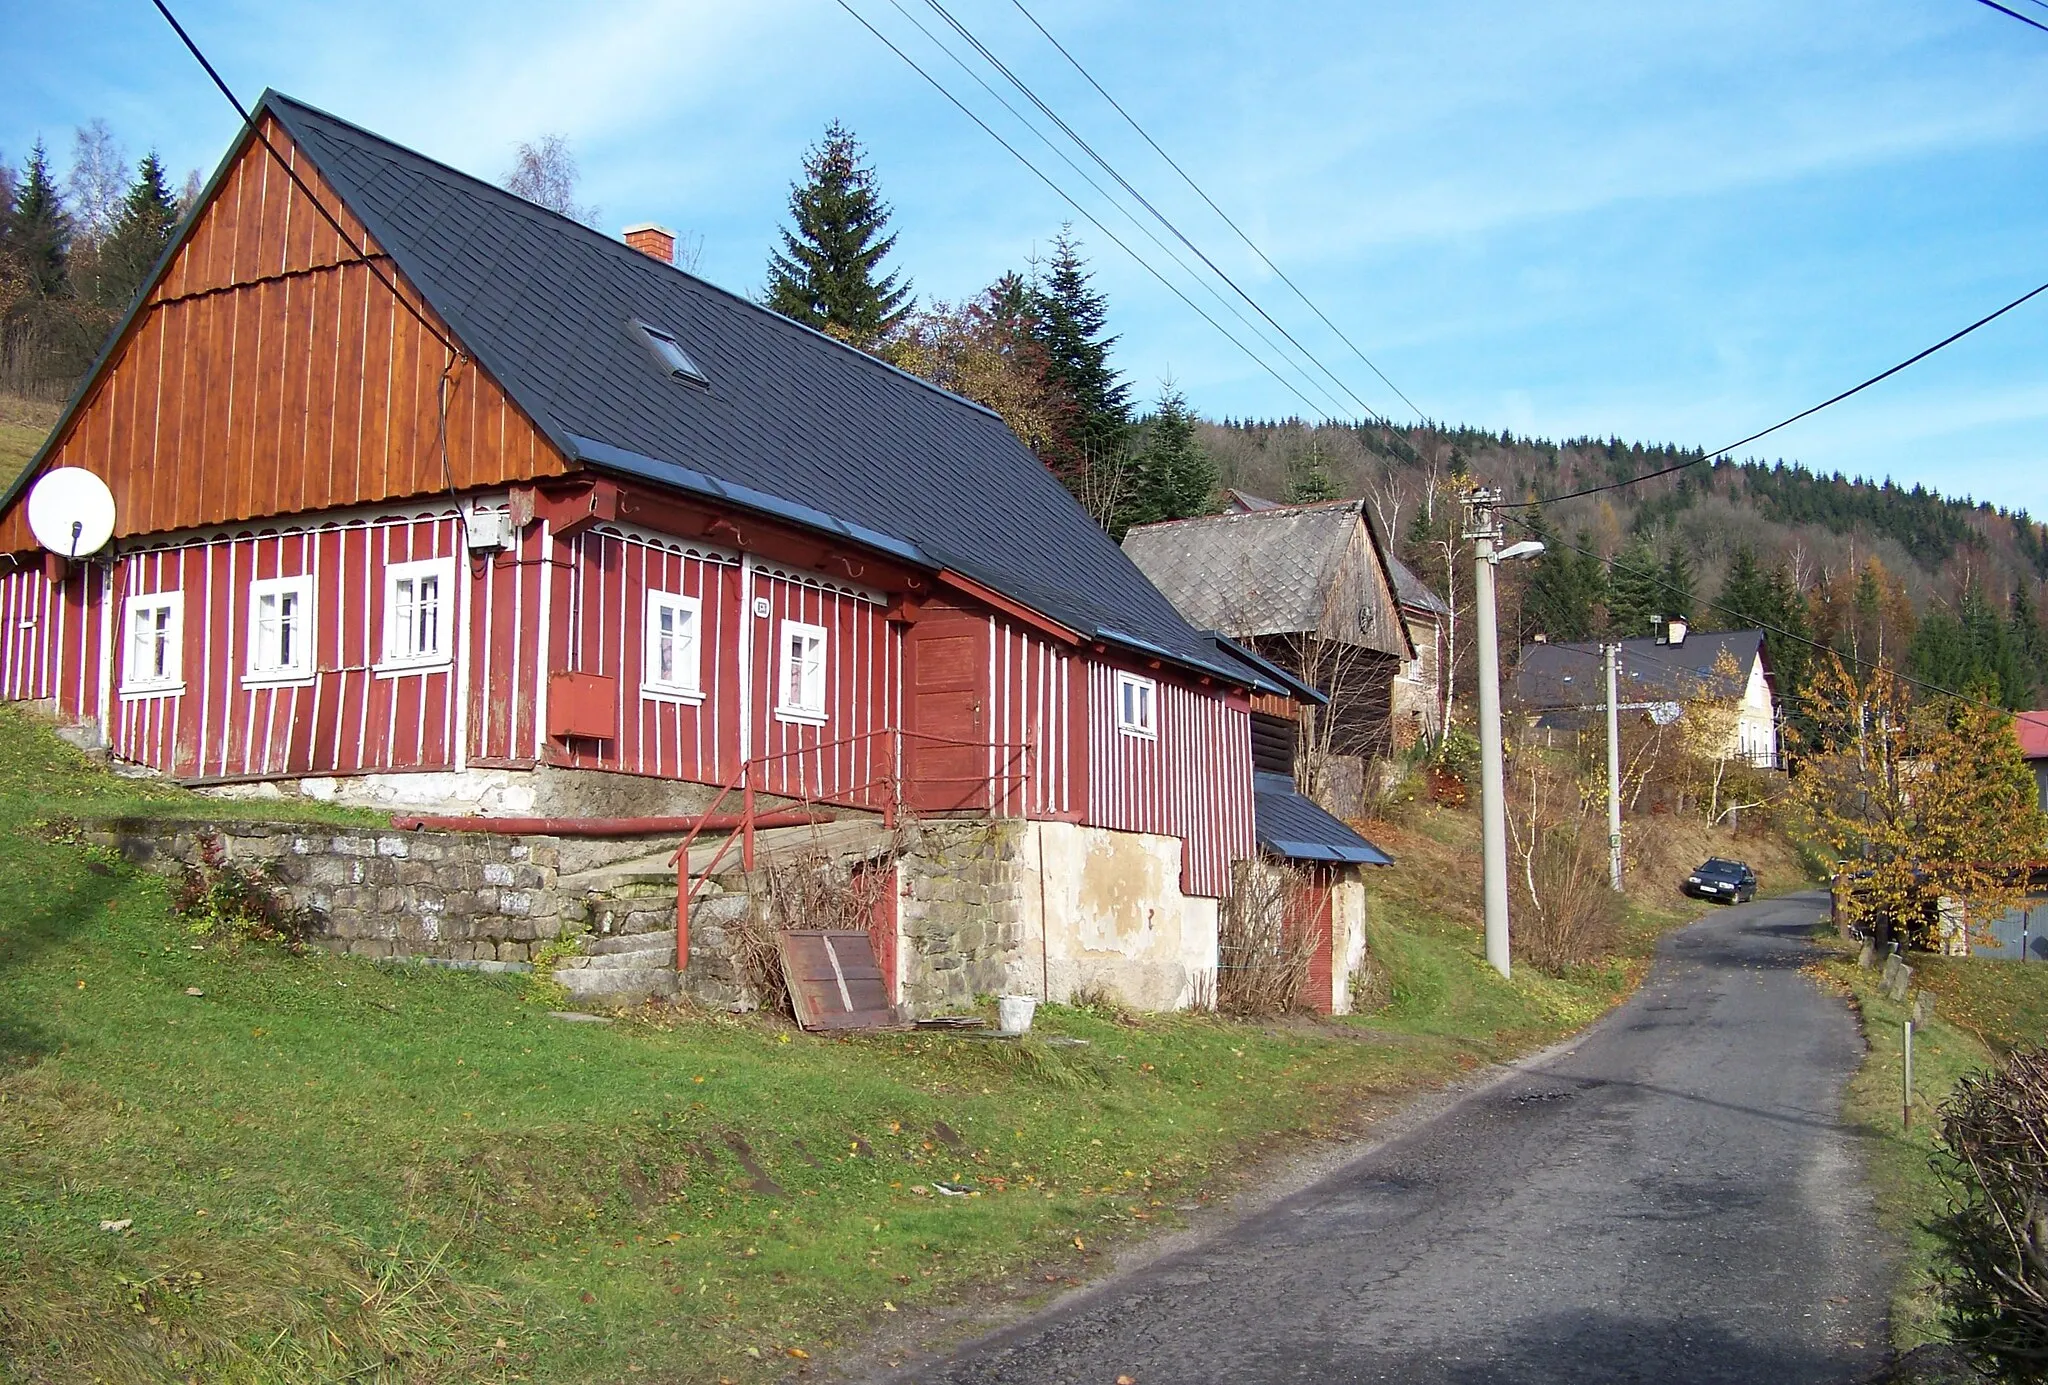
<point x="850" y="796"/>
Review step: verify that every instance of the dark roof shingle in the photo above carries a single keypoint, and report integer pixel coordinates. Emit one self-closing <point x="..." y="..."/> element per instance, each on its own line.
<point x="1292" y="826"/>
<point x="1554" y="676"/>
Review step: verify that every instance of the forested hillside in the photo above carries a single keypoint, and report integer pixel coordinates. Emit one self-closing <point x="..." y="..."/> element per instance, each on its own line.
<point x="1949" y="587"/>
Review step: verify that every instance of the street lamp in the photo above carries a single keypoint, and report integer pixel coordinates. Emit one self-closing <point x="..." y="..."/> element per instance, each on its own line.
<point x="1483" y="528"/>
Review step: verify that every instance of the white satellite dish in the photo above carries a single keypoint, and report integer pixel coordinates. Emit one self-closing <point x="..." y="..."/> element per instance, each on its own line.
<point x="71" y="512"/>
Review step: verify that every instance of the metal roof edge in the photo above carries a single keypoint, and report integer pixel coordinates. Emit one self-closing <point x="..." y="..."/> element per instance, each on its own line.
<point x="1302" y="691"/>
<point x="609" y="457"/>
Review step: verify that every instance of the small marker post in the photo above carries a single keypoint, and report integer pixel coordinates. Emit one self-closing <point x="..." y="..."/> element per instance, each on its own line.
<point x="1909" y="1076"/>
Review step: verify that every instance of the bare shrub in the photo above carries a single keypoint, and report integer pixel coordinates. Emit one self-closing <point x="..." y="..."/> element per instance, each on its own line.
<point x="1994" y="1157"/>
<point x="1263" y="963"/>
<point x="1105" y="1000"/>
<point x="1565" y="911"/>
<point x="807" y="889"/>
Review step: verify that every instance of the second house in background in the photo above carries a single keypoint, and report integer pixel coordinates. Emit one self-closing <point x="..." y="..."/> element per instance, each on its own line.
<point x="1314" y="589"/>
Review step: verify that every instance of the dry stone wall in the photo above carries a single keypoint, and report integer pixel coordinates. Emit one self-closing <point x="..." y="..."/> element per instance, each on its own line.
<point x="464" y="896"/>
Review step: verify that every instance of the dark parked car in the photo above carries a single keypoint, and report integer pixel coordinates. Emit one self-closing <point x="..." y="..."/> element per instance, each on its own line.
<point x="1716" y="878"/>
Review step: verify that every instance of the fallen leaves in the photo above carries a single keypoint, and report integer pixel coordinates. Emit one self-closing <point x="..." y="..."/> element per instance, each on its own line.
<point x="122" y="1225"/>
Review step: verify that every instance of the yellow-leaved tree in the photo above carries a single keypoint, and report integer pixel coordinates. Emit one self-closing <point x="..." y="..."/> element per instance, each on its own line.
<point x="1925" y="806"/>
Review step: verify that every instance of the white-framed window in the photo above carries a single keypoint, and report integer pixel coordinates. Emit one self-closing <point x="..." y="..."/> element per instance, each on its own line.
<point x="800" y="680"/>
<point x="1137" y="705"/>
<point x="673" y="657"/>
<point x="152" y="660"/>
<point x="419" y="613"/>
<point x="280" y="630"/>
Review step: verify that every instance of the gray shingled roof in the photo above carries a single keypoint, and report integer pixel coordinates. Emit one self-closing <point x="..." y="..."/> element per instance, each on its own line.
<point x="792" y="423"/>
<point x="1413" y="591"/>
<point x="1270" y="572"/>
<point x="1292" y="826"/>
<point x="1410" y="589"/>
<point x="1556" y="676"/>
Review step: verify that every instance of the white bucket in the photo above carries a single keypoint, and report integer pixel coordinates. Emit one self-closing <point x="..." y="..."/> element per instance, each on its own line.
<point x="1013" y="1013"/>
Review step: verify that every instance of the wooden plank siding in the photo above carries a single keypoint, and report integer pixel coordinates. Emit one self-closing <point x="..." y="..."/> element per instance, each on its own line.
<point x="50" y="636"/>
<point x="610" y="572"/>
<point x="1192" y="780"/>
<point x="994" y="715"/>
<point x="348" y="716"/>
<point x="848" y="757"/>
<point x="269" y="372"/>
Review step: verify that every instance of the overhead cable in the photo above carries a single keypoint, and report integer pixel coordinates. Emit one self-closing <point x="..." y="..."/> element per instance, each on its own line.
<point x="1109" y="198"/>
<point x="1085" y="147"/>
<point x="1089" y="216"/>
<point x="1700" y="460"/>
<point x="249" y="123"/>
<point x="1185" y="177"/>
<point x="1993" y="4"/>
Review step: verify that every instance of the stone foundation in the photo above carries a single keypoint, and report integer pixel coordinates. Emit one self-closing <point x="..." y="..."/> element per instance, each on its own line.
<point x="1046" y="909"/>
<point x="464" y="896"/>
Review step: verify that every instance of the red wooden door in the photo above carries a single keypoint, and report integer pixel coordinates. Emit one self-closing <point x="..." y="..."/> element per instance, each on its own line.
<point x="946" y="713"/>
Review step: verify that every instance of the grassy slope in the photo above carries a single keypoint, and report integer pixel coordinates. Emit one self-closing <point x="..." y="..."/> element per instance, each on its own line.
<point x="335" y="1168"/>
<point x="1982" y="1010"/>
<point x="24" y="423"/>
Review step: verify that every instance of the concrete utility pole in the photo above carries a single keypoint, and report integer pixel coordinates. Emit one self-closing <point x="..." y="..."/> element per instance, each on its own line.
<point x="1613" y="769"/>
<point x="1483" y="528"/>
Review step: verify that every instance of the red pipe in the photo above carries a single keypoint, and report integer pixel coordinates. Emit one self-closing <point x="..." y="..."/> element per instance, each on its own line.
<point x="607" y="827"/>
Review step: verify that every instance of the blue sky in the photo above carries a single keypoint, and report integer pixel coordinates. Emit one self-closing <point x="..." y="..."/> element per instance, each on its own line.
<point x="1666" y="222"/>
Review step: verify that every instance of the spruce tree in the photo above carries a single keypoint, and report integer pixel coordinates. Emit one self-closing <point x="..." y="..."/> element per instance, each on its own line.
<point x="143" y="229"/>
<point x="1635" y="592"/>
<point x="1788" y="627"/>
<point x="1308" y="480"/>
<point x="1073" y="318"/>
<point x="828" y="274"/>
<point x="1565" y="588"/>
<point x="1746" y="597"/>
<point x="1676" y="587"/>
<point x="1176" y="476"/>
<point x="2029" y="640"/>
<point x="38" y="232"/>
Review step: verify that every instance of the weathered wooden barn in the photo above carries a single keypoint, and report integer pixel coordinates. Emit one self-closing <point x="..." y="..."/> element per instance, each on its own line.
<point x="1309" y="587"/>
<point x="428" y="497"/>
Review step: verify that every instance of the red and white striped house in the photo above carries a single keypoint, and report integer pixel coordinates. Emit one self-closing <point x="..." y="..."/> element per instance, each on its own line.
<point x="425" y="494"/>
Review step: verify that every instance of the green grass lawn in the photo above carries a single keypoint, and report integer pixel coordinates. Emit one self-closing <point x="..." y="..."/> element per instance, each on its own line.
<point x="1982" y="1009"/>
<point x="321" y="1168"/>
<point x="24" y="423"/>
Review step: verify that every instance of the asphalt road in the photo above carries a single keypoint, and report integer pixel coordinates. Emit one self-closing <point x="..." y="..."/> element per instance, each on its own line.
<point x="1672" y="1199"/>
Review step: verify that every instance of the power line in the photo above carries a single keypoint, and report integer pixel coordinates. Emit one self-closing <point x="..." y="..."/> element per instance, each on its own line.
<point x="1914" y="359"/>
<point x="1993" y="4"/>
<point x="1081" y="173"/>
<point x="249" y="123"/>
<point x="1225" y="216"/>
<point x="1090" y="217"/>
<point x="1143" y="201"/>
<point x="1552" y="540"/>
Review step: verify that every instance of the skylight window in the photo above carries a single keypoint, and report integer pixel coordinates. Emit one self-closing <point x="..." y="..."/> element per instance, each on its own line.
<point x="669" y="353"/>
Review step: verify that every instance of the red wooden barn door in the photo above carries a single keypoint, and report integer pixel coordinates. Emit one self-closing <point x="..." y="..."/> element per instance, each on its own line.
<point x="946" y="712"/>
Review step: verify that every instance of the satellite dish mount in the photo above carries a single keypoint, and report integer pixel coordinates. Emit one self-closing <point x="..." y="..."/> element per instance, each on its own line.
<point x="71" y="513"/>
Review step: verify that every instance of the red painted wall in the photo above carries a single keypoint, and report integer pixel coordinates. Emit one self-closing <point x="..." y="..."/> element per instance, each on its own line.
<point x="1192" y="780"/>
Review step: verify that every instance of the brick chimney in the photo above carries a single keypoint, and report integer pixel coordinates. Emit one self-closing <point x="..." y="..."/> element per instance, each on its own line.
<point x="657" y="242"/>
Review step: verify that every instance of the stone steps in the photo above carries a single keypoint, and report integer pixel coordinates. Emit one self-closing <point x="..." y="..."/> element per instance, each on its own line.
<point x="630" y="944"/>
<point x="662" y="954"/>
<point x="614" y="987"/>
<point x="650" y="873"/>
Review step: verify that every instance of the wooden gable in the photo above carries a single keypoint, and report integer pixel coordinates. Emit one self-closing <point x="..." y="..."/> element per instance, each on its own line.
<point x="269" y="372"/>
